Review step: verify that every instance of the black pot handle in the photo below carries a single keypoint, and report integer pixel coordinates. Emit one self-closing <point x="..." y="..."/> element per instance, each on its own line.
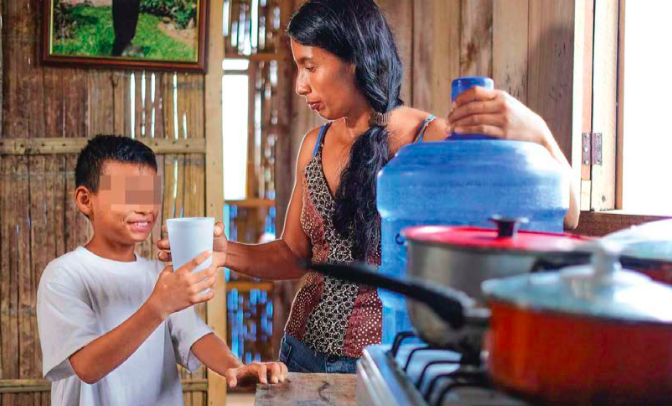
<point x="447" y="303"/>
<point x="507" y="227"/>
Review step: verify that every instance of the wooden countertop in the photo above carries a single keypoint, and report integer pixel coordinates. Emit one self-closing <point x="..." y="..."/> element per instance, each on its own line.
<point x="309" y="390"/>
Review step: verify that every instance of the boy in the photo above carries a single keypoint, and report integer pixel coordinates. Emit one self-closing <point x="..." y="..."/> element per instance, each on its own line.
<point x="114" y="325"/>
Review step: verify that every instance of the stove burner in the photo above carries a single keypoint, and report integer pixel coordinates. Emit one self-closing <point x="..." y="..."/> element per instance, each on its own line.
<point x="399" y="339"/>
<point x="441" y="376"/>
<point x="420" y="380"/>
<point x="459" y="379"/>
<point x="416" y="350"/>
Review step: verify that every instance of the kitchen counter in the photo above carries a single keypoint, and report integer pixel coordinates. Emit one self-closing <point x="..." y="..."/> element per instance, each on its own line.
<point x="309" y="390"/>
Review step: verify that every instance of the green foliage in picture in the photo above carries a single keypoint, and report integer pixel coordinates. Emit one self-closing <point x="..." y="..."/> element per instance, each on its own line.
<point x="183" y="12"/>
<point x="88" y="30"/>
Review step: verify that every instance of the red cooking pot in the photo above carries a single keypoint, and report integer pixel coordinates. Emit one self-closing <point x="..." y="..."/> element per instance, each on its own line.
<point x="586" y="335"/>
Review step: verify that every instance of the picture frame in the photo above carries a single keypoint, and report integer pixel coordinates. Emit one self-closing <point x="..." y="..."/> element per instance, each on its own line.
<point x="128" y="34"/>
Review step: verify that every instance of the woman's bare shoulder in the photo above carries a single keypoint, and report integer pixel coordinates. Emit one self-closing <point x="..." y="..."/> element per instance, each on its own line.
<point x="409" y="120"/>
<point x="437" y="130"/>
<point x="307" y="147"/>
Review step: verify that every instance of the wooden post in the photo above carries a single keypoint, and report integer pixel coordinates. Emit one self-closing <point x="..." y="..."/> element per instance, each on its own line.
<point x="605" y="92"/>
<point x="2" y="75"/>
<point x="214" y="176"/>
<point x="583" y="96"/>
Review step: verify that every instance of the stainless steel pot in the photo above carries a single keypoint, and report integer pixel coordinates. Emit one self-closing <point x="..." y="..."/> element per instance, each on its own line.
<point x="461" y="258"/>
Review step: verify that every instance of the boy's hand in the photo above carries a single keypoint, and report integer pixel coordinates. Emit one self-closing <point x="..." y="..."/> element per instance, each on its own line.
<point x="175" y="291"/>
<point x="219" y="246"/>
<point x="262" y="372"/>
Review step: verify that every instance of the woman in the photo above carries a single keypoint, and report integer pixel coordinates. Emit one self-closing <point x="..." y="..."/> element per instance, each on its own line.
<point x="349" y="72"/>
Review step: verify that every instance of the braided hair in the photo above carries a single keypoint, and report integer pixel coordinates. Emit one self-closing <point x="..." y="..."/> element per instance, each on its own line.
<point x="356" y="32"/>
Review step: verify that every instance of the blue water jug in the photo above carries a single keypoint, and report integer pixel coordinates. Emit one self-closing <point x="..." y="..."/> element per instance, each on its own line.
<point x="462" y="181"/>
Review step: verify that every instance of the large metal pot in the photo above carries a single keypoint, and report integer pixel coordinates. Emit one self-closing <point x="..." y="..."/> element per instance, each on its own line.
<point x="461" y="258"/>
<point x="588" y="335"/>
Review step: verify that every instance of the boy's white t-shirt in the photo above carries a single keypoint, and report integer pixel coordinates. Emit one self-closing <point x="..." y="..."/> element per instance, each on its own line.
<point x="81" y="297"/>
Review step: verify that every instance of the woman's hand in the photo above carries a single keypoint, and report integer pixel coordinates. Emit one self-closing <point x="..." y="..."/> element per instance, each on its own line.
<point x="496" y="113"/>
<point x="261" y="372"/>
<point x="219" y="247"/>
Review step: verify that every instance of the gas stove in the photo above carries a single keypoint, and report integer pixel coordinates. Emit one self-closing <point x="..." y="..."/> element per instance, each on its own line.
<point x="411" y="373"/>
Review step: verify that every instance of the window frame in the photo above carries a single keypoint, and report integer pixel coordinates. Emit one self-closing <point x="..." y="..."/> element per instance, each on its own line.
<point x="601" y="196"/>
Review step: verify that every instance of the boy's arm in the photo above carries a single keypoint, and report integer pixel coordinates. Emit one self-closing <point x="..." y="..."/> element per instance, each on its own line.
<point x="106" y="353"/>
<point x="174" y="291"/>
<point x="216" y="355"/>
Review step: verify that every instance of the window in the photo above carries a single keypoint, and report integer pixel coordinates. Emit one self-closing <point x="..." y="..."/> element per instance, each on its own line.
<point x="626" y="149"/>
<point x="235" y="117"/>
<point x="647" y="139"/>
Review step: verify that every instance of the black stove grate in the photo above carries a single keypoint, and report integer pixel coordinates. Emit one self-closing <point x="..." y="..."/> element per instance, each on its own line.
<point x="434" y="388"/>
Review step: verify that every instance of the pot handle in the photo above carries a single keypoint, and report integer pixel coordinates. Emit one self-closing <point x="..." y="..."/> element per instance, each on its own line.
<point x="507" y="227"/>
<point x="450" y="305"/>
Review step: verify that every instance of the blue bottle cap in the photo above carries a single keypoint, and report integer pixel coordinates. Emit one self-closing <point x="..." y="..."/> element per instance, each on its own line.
<point x="467" y="82"/>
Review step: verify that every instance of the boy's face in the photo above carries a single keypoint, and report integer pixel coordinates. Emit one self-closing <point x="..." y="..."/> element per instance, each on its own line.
<point x="127" y="203"/>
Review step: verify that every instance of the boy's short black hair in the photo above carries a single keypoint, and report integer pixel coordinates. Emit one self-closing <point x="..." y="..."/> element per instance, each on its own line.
<point x="103" y="148"/>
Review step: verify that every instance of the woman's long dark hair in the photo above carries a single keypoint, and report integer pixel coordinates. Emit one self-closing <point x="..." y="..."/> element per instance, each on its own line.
<point x="356" y="31"/>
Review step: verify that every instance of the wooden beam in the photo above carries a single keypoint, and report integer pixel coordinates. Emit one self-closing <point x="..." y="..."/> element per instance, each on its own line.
<point x="24" y="385"/>
<point x="214" y="176"/>
<point x="50" y="146"/>
<point x="42" y="385"/>
<point x="194" y="385"/>
<point x="246" y="286"/>
<point x="598" y="224"/>
<point x="252" y="203"/>
<point x="261" y="56"/>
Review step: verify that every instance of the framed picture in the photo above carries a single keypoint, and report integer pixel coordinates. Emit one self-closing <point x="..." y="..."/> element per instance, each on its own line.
<point x="137" y="34"/>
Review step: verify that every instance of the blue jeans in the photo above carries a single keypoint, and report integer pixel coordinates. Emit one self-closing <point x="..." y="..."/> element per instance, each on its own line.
<point x="299" y="358"/>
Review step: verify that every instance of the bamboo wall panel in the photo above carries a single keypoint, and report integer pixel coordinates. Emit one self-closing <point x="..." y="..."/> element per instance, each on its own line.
<point x="252" y="26"/>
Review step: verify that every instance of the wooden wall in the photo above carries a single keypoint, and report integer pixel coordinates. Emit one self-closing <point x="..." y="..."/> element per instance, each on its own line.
<point x="38" y="218"/>
<point x="527" y="46"/>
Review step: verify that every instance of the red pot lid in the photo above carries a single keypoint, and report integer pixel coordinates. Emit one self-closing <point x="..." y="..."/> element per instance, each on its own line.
<point x="505" y="237"/>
